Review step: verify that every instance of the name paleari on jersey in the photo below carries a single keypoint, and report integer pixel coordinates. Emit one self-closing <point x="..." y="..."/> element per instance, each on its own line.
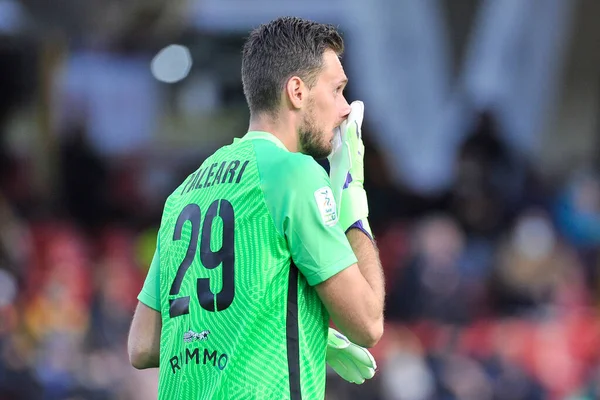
<point x="216" y="174"/>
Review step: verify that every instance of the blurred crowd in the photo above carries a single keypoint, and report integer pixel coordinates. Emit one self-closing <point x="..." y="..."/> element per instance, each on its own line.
<point x="69" y="278"/>
<point x="493" y="284"/>
<point x="493" y="287"/>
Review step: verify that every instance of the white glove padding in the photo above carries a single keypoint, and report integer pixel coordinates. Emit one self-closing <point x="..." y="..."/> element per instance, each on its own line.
<point x="350" y="361"/>
<point x="346" y="172"/>
<point x="341" y="160"/>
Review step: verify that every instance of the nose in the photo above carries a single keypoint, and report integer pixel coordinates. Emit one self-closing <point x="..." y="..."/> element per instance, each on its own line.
<point x="345" y="109"/>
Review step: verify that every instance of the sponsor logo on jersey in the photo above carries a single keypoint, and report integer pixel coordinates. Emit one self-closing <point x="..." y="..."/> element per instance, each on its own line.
<point x="191" y="336"/>
<point x="198" y="356"/>
<point x="326" y="205"/>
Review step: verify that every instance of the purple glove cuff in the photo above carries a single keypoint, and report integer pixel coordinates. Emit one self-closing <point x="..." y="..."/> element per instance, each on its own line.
<point x="359" y="225"/>
<point x="348" y="180"/>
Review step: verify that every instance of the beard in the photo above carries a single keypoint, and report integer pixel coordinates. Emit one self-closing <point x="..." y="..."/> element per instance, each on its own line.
<point x="311" y="137"/>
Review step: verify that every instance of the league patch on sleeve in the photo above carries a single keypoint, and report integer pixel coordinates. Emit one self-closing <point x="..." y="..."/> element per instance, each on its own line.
<point x="326" y="205"/>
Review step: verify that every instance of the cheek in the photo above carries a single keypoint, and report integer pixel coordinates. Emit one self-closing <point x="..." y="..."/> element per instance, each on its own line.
<point x="326" y="103"/>
<point x="328" y="113"/>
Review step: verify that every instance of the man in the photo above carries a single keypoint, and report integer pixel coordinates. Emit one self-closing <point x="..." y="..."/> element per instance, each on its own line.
<point x="252" y="259"/>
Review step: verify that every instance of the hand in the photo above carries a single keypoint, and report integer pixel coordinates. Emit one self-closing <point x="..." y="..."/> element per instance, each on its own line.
<point x="347" y="171"/>
<point x="350" y="361"/>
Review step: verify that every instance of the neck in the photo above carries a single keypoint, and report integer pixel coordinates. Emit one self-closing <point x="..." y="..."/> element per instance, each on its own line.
<point x="281" y="127"/>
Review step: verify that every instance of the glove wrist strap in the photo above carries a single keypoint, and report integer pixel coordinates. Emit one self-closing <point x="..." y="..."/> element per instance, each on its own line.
<point x="354" y="205"/>
<point x="354" y="210"/>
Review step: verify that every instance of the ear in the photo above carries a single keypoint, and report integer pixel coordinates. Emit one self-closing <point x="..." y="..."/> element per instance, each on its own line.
<point x="296" y="92"/>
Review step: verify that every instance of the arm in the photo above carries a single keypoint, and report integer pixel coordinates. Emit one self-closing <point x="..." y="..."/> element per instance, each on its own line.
<point x="143" y="343"/>
<point x="300" y="198"/>
<point x="355" y="296"/>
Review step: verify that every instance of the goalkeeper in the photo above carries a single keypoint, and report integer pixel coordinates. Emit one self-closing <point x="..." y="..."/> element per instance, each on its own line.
<point x="258" y="248"/>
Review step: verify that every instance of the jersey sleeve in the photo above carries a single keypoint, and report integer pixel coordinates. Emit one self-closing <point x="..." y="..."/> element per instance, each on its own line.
<point x="150" y="294"/>
<point x="303" y="208"/>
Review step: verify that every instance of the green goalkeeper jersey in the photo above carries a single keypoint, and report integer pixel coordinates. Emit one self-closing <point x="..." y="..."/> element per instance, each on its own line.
<point x="241" y="243"/>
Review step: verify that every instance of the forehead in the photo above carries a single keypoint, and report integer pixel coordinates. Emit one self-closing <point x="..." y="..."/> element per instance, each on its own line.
<point x="332" y="67"/>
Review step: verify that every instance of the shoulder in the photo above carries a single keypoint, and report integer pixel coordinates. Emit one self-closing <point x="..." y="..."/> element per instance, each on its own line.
<point x="285" y="168"/>
<point x="301" y="167"/>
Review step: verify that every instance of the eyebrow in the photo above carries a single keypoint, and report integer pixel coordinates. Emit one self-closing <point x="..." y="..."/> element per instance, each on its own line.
<point x="343" y="82"/>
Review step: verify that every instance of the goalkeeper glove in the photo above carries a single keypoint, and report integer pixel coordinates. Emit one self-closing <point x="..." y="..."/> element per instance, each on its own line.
<point x="346" y="172"/>
<point x="350" y="361"/>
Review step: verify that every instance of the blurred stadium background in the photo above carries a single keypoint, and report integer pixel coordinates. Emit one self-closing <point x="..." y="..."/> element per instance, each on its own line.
<point x="482" y="171"/>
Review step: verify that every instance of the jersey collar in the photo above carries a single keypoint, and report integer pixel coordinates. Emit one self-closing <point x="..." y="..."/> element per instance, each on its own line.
<point x="262" y="135"/>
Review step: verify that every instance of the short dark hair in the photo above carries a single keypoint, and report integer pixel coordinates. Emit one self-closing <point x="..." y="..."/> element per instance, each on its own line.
<point x="280" y="49"/>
